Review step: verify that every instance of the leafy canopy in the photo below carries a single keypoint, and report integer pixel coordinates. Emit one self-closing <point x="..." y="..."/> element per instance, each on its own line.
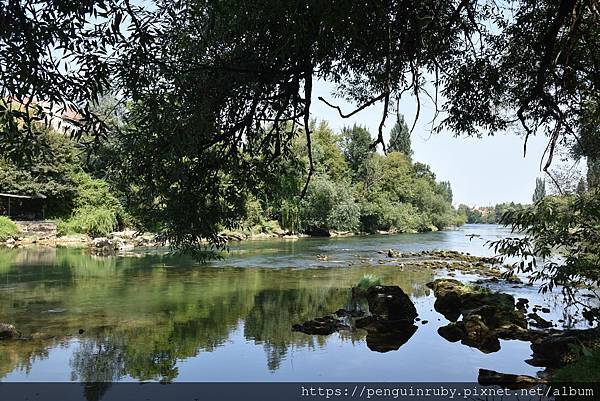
<point x="217" y="89"/>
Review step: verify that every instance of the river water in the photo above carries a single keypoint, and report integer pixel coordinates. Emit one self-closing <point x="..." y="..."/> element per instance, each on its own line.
<point x="151" y="316"/>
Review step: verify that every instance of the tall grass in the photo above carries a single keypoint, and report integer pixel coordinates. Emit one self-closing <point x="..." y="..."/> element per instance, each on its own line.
<point x="8" y="228"/>
<point x="368" y="281"/>
<point x="95" y="221"/>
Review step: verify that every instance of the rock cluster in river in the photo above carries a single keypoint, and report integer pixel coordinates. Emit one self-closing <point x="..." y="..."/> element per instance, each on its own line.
<point x="389" y="325"/>
<point x="557" y="348"/>
<point x="486" y="316"/>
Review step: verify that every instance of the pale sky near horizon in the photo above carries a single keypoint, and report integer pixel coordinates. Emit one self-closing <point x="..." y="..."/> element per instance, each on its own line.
<point x="482" y="171"/>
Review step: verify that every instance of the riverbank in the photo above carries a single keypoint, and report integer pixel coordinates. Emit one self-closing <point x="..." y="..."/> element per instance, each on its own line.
<point x="45" y="233"/>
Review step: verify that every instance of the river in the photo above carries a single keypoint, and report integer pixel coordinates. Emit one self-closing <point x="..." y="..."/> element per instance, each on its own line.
<point x="150" y="316"/>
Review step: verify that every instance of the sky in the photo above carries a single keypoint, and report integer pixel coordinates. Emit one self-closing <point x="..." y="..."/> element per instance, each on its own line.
<point x="482" y="171"/>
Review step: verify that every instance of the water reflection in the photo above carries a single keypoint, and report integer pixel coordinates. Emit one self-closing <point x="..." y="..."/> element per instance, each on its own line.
<point x="138" y="317"/>
<point x="166" y="318"/>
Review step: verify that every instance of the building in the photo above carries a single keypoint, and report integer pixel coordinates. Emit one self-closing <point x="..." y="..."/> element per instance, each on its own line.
<point x="22" y="207"/>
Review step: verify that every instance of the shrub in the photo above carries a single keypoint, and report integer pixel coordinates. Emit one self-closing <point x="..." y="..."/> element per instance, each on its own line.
<point x="329" y="205"/>
<point x="95" y="221"/>
<point x="8" y="228"/>
<point x="368" y="281"/>
<point x="585" y="369"/>
<point x="97" y="211"/>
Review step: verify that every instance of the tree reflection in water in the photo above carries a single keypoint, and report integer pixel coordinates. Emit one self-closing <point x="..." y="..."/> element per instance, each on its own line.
<point x="140" y="317"/>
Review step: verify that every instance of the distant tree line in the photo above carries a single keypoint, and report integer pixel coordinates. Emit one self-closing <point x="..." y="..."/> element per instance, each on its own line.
<point x="488" y="214"/>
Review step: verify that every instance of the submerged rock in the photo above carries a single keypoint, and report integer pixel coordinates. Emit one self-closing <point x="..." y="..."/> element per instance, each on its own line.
<point x="510" y="381"/>
<point x="8" y="331"/>
<point x="322" y="326"/>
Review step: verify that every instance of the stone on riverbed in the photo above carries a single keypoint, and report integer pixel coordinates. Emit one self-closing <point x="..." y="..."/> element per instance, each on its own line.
<point x="321" y="326"/>
<point x="8" y="331"/>
<point x="512" y="382"/>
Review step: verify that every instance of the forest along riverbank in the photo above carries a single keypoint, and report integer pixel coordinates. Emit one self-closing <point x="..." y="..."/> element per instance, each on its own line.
<point x="45" y="233"/>
<point x="73" y="311"/>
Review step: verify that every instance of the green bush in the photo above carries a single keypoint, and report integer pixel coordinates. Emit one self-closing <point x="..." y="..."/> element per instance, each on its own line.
<point x="97" y="211"/>
<point x="95" y="221"/>
<point x="585" y="369"/>
<point x="329" y="205"/>
<point x="8" y="228"/>
<point x="368" y="281"/>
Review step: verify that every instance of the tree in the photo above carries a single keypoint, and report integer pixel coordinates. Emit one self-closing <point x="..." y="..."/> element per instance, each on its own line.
<point x="211" y="96"/>
<point x="49" y="174"/>
<point x="328" y="206"/>
<point x="556" y="225"/>
<point x="356" y="147"/>
<point x="540" y="189"/>
<point x="400" y="137"/>
<point x="445" y="189"/>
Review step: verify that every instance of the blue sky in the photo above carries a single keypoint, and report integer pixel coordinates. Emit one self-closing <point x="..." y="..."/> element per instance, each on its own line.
<point x="482" y="171"/>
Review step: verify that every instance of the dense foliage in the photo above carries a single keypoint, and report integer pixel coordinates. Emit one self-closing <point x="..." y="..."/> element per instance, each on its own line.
<point x="560" y="243"/>
<point x="80" y="202"/>
<point x="213" y="100"/>
<point x="356" y="189"/>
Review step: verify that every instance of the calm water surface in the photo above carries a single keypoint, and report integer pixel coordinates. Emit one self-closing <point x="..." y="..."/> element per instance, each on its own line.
<point x="156" y="317"/>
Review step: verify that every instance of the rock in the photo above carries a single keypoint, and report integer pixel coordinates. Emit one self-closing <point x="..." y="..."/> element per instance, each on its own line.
<point x="322" y="326"/>
<point x="545" y="310"/>
<point x="393" y="254"/>
<point x="554" y="350"/>
<point x="8" y="331"/>
<point x="522" y="304"/>
<point x="391" y="303"/>
<point x="452" y="332"/>
<point x="351" y="313"/>
<point x="453" y="298"/>
<point x="539" y="321"/>
<point x="478" y="335"/>
<point x="496" y="317"/>
<point x="487" y="316"/>
<point x="125" y="234"/>
<point x="512" y="382"/>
